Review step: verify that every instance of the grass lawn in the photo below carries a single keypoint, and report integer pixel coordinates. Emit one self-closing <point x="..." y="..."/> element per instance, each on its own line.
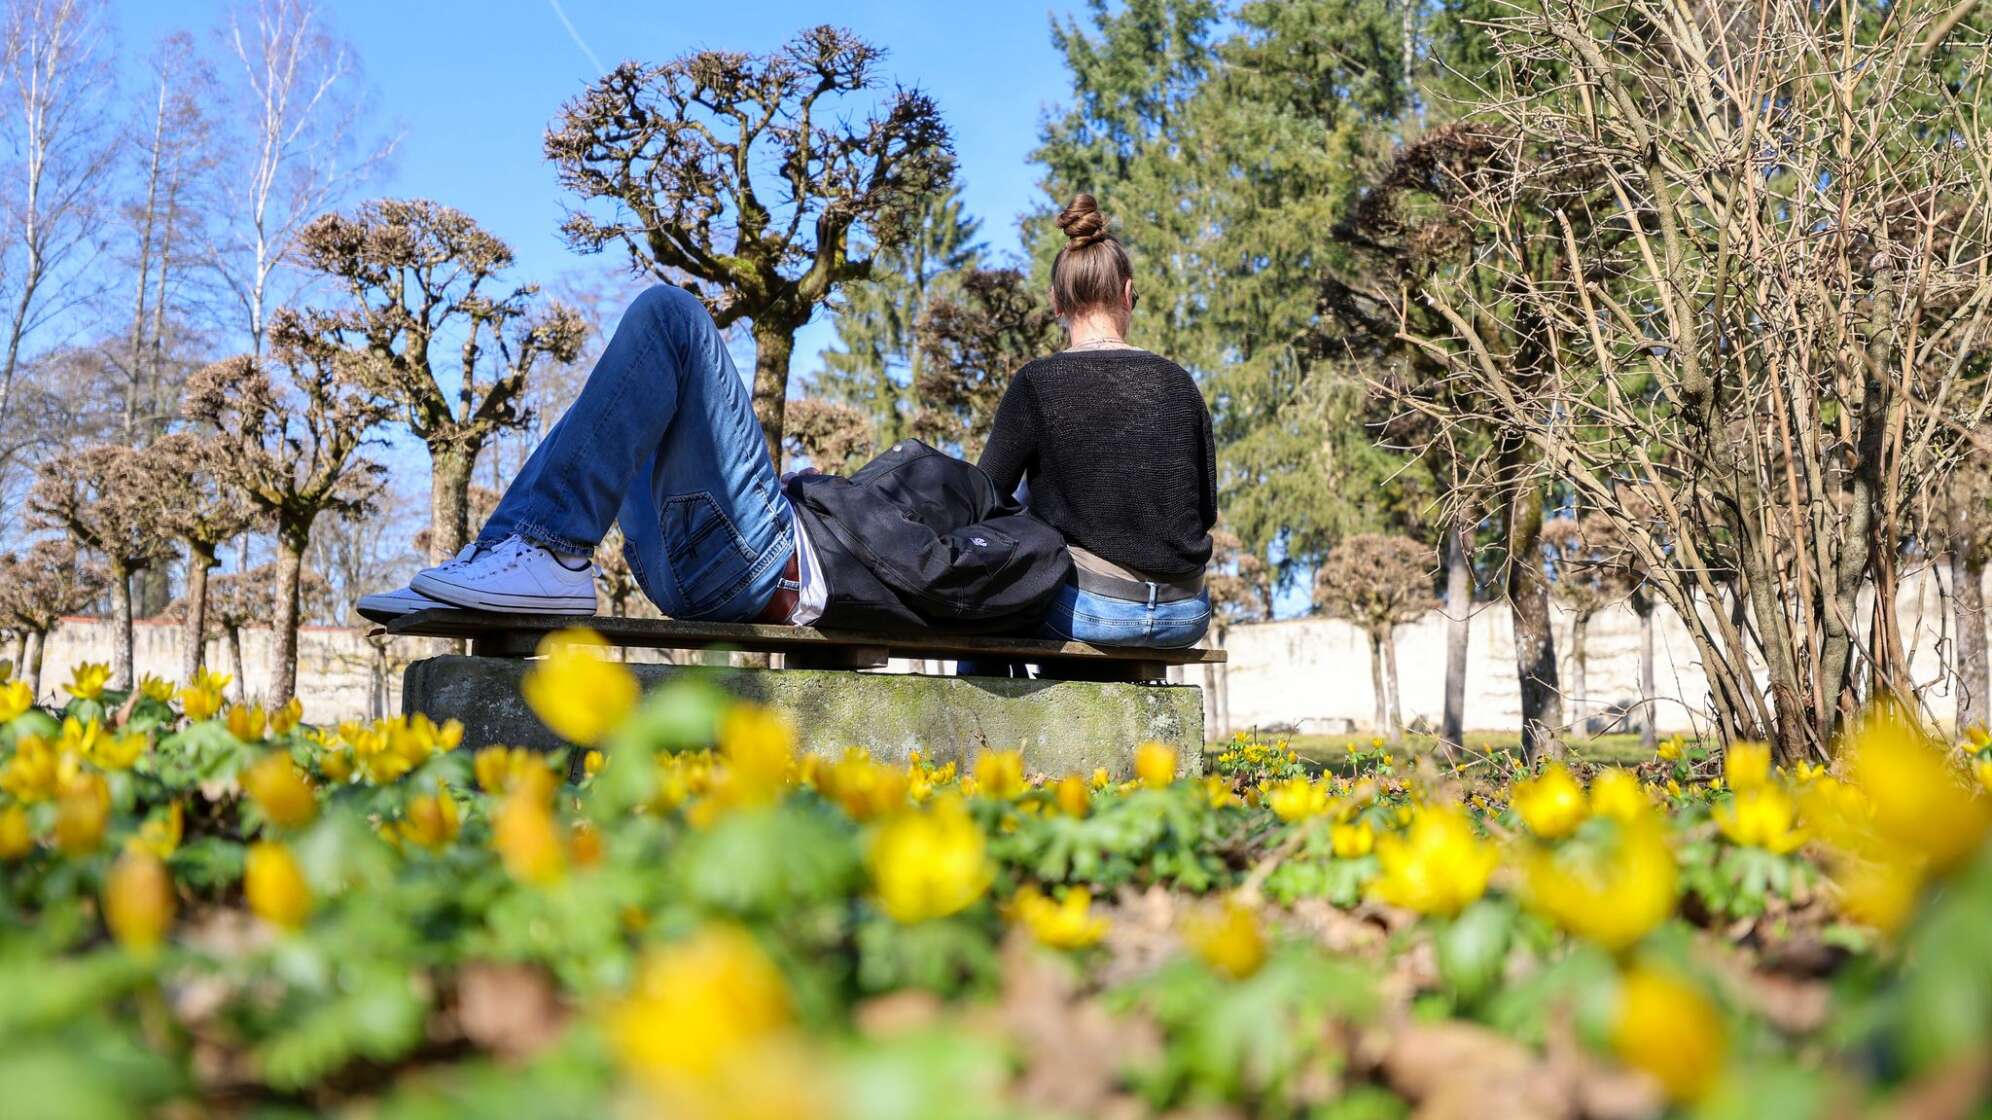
<point x="1331" y="751"/>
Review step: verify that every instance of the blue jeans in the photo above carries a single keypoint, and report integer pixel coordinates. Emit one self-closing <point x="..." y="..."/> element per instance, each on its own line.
<point x="1103" y="620"/>
<point x="662" y="439"/>
<point x="1083" y="616"/>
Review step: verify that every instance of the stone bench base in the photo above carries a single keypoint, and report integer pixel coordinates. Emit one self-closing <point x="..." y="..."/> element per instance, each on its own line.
<point x="1061" y="726"/>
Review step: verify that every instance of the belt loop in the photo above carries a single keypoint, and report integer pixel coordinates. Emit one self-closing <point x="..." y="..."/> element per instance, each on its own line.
<point x="1151" y="596"/>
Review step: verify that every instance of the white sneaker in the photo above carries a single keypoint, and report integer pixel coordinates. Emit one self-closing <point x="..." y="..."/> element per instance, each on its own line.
<point x="513" y="575"/>
<point x="386" y="606"/>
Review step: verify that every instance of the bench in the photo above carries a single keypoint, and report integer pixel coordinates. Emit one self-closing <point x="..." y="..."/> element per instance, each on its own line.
<point x="1089" y="708"/>
<point x="492" y="634"/>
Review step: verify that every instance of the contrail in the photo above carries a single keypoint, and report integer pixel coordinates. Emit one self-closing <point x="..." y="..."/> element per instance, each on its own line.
<point x="576" y="36"/>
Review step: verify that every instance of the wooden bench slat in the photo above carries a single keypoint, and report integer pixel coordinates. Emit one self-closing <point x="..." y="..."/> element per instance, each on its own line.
<point x="513" y="634"/>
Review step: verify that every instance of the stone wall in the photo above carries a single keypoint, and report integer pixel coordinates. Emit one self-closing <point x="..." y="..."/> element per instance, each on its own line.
<point x="1309" y="674"/>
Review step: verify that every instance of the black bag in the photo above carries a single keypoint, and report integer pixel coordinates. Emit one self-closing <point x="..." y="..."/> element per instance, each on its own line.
<point x="919" y="540"/>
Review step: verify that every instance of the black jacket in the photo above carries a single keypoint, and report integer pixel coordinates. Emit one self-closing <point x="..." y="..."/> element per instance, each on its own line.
<point x="919" y="540"/>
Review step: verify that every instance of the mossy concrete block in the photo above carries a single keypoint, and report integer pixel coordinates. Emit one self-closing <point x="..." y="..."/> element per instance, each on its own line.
<point x="1061" y="726"/>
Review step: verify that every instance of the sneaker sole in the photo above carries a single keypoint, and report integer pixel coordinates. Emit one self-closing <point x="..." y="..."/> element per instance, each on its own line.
<point x="468" y="599"/>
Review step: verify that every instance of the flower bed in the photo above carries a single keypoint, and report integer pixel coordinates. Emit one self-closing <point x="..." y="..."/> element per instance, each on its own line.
<point x="209" y="908"/>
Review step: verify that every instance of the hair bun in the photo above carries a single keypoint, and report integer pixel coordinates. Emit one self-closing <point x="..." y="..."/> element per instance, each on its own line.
<point x="1083" y="222"/>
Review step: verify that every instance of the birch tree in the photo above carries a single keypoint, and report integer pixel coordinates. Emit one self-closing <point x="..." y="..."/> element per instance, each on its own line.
<point x="55" y="78"/>
<point x="296" y="96"/>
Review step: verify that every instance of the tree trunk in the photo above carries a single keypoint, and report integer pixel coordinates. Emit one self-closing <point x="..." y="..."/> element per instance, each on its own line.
<point x="290" y="571"/>
<point x="449" y="499"/>
<point x="235" y="663"/>
<point x="1974" y="679"/>
<point x="773" y="342"/>
<point x="1535" y="642"/>
<point x="1379" y="688"/>
<point x="1390" y="678"/>
<point x="1220" y="685"/>
<point x="32" y="648"/>
<point x="1459" y="619"/>
<point x="1580" y="627"/>
<point x="17" y="648"/>
<point x="1649" y="735"/>
<point x="121" y="636"/>
<point x="193" y="638"/>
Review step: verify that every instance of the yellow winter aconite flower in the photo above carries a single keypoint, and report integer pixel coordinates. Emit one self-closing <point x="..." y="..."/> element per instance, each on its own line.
<point x="697" y="1005"/>
<point x="1229" y="942"/>
<point x="201" y="700"/>
<point x="284" y="718"/>
<point x="1155" y="764"/>
<point x="1616" y="794"/>
<point x="862" y="787"/>
<point x="1747" y="765"/>
<point x="245" y="722"/>
<point x="576" y="690"/>
<point x="1670" y="749"/>
<point x="81" y="812"/>
<point x="1551" y="804"/>
<point x="36" y="771"/>
<point x="1072" y="795"/>
<point x="1668" y="1028"/>
<point x="500" y="770"/>
<point x="1438" y="867"/>
<point x="1878" y="893"/>
<point x="17" y="838"/>
<point x="1761" y="817"/>
<point x="1000" y="774"/>
<point x="1984" y="772"/>
<point x="527" y="839"/>
<point x="87" y="680"/>
<point x="757" y="746"/>
<point x="336" y="763"/>
<point x="1613" y="897"/>
<point x="1297" y="799"/>
<point x="592" y="763"/>
<point x="157" y="689"/>
<point x="15" y="700"/>
<point x="430" y="821"/>
<point x="280" y="790"/>
<point x="138" y="900"/>
<point x="100" y="747"/>
<point x="160" y="834"/>
<point x="584" y="843"/>
<point x="928" y="863"/>
<point x="1068" y="923"/>
<point x="1915" y="798"/>
<point x="1218" y="792"/>
<point x="275" y="886"/>
<point x="1352" y="841"/>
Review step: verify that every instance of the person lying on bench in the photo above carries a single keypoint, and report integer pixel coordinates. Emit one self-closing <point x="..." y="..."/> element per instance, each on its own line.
<point x="1112" y="443"/>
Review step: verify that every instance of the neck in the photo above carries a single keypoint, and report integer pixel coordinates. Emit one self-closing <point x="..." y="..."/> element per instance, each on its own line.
<point x="1095" y="327"/>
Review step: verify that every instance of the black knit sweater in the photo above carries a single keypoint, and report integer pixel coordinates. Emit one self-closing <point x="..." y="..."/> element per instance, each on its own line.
<point x="1116" y="445"/>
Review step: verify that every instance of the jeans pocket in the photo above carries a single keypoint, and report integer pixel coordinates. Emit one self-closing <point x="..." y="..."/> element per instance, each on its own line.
<point x="709" y="559"/>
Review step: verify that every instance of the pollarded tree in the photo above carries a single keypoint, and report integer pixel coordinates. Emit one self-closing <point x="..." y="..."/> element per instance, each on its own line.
<point x="37" y="589"/>
<point x="972" y="339"/>
<point x="294" y="449"/>
<point x="428" y="301"/>
<point x="1378" y="583"/>
<point x="1582" y="556"/>
<point x="739" y="177"/>
<point x="614" y="578"/>
<point x="834" y="437"/>
<point x="98" y="496"/>
<point x="185" y="479"/>
<point x="237" y="600"/>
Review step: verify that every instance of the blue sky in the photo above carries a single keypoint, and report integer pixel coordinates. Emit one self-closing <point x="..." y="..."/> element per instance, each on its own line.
<point x="471" y="84"/>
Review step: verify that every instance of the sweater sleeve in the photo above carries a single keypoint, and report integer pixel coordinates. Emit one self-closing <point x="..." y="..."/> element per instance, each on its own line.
<point x="1209" y="503"/>
<point x="1011" y="449"/>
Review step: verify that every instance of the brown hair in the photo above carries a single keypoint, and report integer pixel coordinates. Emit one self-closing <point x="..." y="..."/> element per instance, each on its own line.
<point x="1092" y="270"/>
